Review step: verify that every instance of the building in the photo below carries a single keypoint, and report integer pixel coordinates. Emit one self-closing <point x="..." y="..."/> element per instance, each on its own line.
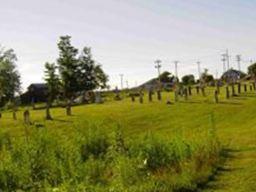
<point x="232" y="75"/>
<point x="36" y="92"/>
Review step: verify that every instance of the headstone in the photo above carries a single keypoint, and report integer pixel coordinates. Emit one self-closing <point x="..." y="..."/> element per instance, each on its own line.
<point x="203" y="91"/>
<point x="245" y="87"/>
<point x="141" y="97"/>
<point x="216" y="94"/>
<point x="133" y="97"/>
<point x="117" y="95"/>
<point x="197" y="89"/>
<point x="227" y="92"/>
<point x="176" y="95"/>
<point x="159" y="96"/>
<point x="14" y="115"/>
<point x="233" y="90"/>
<point x="150" y="93"/>
<point x="190" y="90"/>
<point x="186" y="93"/>
<point x="26" y="116"/>
<point x="98" y="98"/>
<point x="239" y="88"/>
<point x="218" y="86"/>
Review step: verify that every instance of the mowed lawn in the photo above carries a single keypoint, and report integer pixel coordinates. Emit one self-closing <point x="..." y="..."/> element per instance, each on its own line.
<point x="233" y="119"/>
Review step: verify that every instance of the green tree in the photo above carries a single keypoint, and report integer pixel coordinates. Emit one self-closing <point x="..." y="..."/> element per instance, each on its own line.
<point x="90" y="75"/>
<point x="206" y="77"/>
<point x="68" y="68"/>
<point x="188" y="79"/>
<point x="9" y="78"/>
<point x="252" y="70"/>
<point x="53" y="86"/>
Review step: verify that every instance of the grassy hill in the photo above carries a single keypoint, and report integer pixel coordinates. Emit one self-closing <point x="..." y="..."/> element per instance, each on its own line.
<point x="233" y="122"/>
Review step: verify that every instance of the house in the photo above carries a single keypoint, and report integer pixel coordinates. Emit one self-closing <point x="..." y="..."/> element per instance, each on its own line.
<point x="36" y="92"/>
<point x="167" y="82"/>
<point x="232" y="75"/>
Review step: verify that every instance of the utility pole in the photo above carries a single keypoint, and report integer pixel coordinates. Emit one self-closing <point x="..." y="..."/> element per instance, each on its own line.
<point x="228" y="57"/>
<point x="176" y="68"/>
<point x="224" y="62"/>
<point x="199" y="69"/>
<point x="238" y="59"/>
<point x="121" y="77"/>
<point x="158" y="66"/>
<point x="127" y="84"/>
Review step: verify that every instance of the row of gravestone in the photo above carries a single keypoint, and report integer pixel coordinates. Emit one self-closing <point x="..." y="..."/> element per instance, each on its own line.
<point x="26" y="117"/>
<point x="187" y="91"/>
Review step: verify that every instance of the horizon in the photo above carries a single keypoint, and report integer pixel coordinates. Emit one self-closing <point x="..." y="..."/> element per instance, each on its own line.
<point x="126" y="37"/>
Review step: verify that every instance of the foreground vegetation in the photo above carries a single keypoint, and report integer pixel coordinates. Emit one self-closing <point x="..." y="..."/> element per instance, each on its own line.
<point x="125" y="146"/>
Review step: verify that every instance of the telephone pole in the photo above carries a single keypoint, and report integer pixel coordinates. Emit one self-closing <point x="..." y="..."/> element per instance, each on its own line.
<point x="224" y="62"/>
<point x="238" y="59"/>
<point x="127" y="84"/>
<point x="121" y="78"/>
<point x="176" y="68"/>
<point x="199" y="69"/>
<point x="158" y="66"/>
<point x="228" y="57"/>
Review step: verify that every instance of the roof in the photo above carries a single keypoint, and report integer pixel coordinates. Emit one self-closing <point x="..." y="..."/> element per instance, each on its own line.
<point x="38" y="85"/>
<point x="232" y="73"/>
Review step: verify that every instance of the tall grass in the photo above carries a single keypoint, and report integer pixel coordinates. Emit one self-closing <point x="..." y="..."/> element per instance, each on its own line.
<point x="94" y="160"/>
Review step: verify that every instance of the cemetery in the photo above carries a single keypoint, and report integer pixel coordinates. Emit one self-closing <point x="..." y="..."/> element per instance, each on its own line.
<point x="72" y="133"/>
<point x="127" y="96"/>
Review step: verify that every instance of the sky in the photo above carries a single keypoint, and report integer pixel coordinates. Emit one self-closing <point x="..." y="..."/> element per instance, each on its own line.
<point x="127" y="36"/>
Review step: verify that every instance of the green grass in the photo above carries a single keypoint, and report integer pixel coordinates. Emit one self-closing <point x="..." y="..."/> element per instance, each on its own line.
<point x="234" y="121"/>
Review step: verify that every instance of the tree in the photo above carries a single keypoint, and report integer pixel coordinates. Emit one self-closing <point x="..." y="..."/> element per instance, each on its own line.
<point x="68" y="68"/>
<point x="188" y="79"/>
<point x="9" y="78"/>
<point x="53" y="83"/>
<point x="252" y="70"/>
<point x="206" y="77"/>
<point x="90" y="75"/>
<point x="166" y="77"/>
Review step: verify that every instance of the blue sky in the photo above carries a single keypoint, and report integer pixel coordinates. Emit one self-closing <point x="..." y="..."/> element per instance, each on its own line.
<point x="126" y="36"/>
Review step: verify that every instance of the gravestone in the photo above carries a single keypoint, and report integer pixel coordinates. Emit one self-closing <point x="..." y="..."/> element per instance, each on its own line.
<point x="186" y="93"/>
<point x="98" y="98"/>
<point x="141" y="97"/>
<point x="117" y="95"/>
<point x="133" y="97"/>
<point x="239" y="88"/>
<point x="189" y="90"/>
<point x="176" y="96"/>
<point x="14" y="116"/>
<point x="150" y="93"/>
<point x="26" y="116"/>
<point x="227" y="92"/>
<point x="233" y="90"/>
<point x="197" y="89"/>
<point x="245" y="88"/>
<point x="203" y="91"/>
<point x="159" y="96"/>
<point x="216" y="96"/>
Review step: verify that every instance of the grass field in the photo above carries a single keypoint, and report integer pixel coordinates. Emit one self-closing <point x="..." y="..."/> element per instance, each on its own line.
<point x="233" y="121"/>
